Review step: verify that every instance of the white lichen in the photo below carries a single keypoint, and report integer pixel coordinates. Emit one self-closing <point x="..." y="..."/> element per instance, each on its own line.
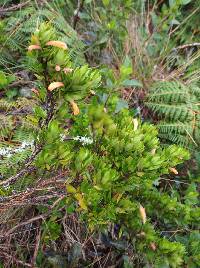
<point x="9" y="151"/>
<point x="84" y="140"/>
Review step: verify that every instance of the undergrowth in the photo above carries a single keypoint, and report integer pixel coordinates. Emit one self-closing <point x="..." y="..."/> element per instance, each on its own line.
<point x="85" y="179"/>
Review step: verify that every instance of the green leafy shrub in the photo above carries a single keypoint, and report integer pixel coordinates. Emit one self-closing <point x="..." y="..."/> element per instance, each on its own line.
<point x="113" y="178"/>
<point x="115" y="165"/>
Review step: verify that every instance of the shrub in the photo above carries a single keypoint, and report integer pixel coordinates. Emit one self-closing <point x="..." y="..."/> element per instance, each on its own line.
<point x="113" y="182"/>
<point x="113" y="166"/>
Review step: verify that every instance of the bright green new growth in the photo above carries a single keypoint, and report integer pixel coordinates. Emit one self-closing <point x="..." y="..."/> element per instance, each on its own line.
<point x="38" y="112"/>
<point x="178" y="107"/>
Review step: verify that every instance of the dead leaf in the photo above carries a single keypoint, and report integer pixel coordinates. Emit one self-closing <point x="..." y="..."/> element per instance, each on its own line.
<point x="55" y="85"/>
<point x="67" y="70"/>
<point x="142" y="234"/>
<point x="135" y="123"/>
<point x="34" y="47"/>
<point x="92" y="92"/>
<point x="57" y="68"/>
<point x="75" y="108"/>
<point x="173" y="170"/>
<point x="143" y="214"/>
<point x="153" y="151"/>
<point x="153" y="246"/>
<point x="35" y="91"/>
<point x="57" y="44"/>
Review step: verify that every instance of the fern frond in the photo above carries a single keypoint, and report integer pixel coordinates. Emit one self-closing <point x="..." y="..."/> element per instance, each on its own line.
<point x="6" y="126"/>
<point x="173" y="112"/>
<point x="178" y="106"/>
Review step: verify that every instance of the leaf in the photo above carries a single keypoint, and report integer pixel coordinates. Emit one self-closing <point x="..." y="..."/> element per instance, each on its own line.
<point x="11" y="93"/>
<point x="153" y="246"/>
<point x="171" y="3"/>
<point x="57" y="68"/>
<point x="55" y="85"/>
<point x="34" y="47"/>
<point x="97" y="187"/>
<point x="131" y="83"/>
<point x="81" y="201"/>
<point x="102" y="40"/>
<point x="39" y="112"/>
<point x="57" y="44"/>
<point x="3" y="80"/>
<point x="106" y="2"/>
<point x="10" y="78"/>
<point x="121" y="104"/>
<point x="92" y="92"/>
<point x="173" y="170"/>
<point x="175" y="22"/>
<point x="185" y="2"/>
<point x="74" y="254"/>
<point x="67" y="70"/>
<point x="75" y="108"/>
<point x="35" y="91"/>
<point x="135" y="123"/>
<point x="70" y="189"/>
<point x="143" y="214"/>
<point x="34" y="40"/>
<point x="127" y="262"/>
<point x="127" y="62"/>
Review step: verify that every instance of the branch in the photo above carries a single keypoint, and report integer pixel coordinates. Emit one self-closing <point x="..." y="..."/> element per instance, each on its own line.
<point x="9" y="257"/>
<point x="13" y="8"/>
<point x="38" y="237"/>
<point x="36" y="218"/>
<point x="76" y="13"/>
<point x="187" y="45"/>
<point x="19" y="83"/>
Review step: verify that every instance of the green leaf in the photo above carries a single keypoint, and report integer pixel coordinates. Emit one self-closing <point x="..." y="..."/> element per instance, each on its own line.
<point x="11" y="93"/>
<point x="127" y="62"/>
<point x="185" y="2"/>
<point x="11" y="78"/>
<point x="106" y="2"/>
<point x="3" y="80"/>
<point x="39" y="112"/>
<point x="121" y="104"/>
<point x="131" y="83"/>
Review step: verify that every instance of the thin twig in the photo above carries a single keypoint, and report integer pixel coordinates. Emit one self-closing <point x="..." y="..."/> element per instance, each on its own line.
<point x="16" y="260"/>
<point x="174" y="181"/>
<point x="19" y="83"/>
<point x="36" y="218"/>
<point x="40" y="217"/>
<point x="13" y="8"/>
<point x="33" y="262"/>
<point x="187" y="45"/>
<point x="76" y="13"/>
